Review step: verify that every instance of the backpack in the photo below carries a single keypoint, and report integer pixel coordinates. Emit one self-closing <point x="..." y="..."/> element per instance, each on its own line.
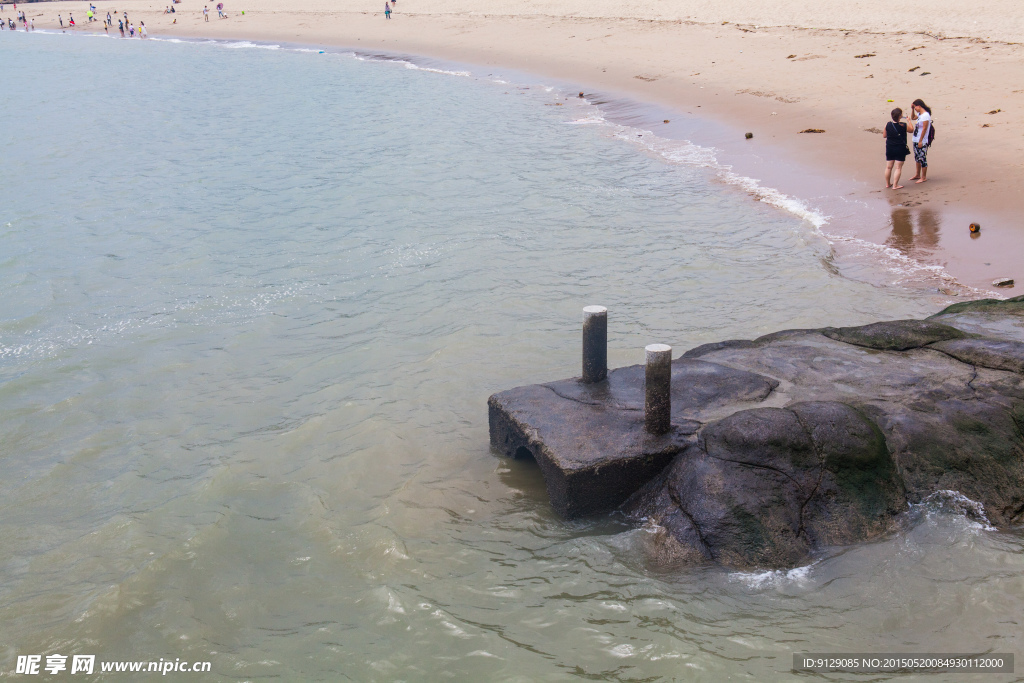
<point x="931" y="133"/>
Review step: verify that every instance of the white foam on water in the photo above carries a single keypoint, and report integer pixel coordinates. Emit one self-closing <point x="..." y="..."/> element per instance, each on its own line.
<point x="773" y="578"/>
<point x="48" y="343"/>
<point x="686" y="153"/>
<point x="954" y="502"/>
<point x="906" y="267"/>
<point x="410" y="65"/>
<point x="623" y="650"/>
<point x="586" y="121"/>
<point x="246" y="44"/>
<point x="650" y="526"/>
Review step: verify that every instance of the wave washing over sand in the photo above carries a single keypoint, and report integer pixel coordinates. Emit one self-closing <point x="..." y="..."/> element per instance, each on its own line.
<point x="905" y="269"/>
<point x="902" y="268"/>
<point x="774" y="68"/>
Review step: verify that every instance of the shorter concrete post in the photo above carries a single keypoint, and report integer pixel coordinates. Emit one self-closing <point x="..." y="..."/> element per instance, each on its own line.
<point x="658" y="386"/>
<point x="595" y="344"/>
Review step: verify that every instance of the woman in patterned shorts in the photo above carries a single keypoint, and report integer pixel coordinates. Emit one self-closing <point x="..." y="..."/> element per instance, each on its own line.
<point x="922" y="117"/>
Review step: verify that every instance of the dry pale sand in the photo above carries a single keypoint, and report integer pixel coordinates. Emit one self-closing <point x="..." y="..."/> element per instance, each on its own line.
<point x="773" y="67"/>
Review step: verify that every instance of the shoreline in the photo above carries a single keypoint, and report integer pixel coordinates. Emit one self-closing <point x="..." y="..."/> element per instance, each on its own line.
<point x="754" y="85"/>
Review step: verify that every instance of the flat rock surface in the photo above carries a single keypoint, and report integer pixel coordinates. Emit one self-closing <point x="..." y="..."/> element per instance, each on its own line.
<point x="576" y="431"/>
<point x="795" y="441"/>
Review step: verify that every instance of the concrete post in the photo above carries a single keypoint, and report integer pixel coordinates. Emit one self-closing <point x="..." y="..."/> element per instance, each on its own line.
<point x="595" y="344"/>
<point x="657" y="388"/>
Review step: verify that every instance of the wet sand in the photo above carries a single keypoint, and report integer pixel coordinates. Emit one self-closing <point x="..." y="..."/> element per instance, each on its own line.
<point x="772" y="81"/>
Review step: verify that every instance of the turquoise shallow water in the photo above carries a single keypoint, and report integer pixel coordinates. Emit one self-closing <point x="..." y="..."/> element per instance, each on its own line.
<point x="252" y="303"/>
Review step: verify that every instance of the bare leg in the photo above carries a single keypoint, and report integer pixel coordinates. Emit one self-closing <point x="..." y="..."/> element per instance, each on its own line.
<point x="896" y="171"/>
<point x="917" y="173"/>
<point x="888" y="171"/>
<point x="924" y="174"/>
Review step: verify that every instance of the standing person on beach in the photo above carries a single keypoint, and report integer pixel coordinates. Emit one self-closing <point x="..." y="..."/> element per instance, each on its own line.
<point x="896" y="150"/>
<point x="142" y="30"/>
<point x="206" y="13"/>
<point x="61" y="20"/>
<point x="387" y="10"/>
<point x="120" y="27"/>
<point x="922" y="117"/>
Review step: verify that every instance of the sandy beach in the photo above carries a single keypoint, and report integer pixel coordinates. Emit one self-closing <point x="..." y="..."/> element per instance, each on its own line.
<point x="773" y="69"/>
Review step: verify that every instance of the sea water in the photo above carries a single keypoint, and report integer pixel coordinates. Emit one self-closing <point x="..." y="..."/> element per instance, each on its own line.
<point x="252" y="303"/>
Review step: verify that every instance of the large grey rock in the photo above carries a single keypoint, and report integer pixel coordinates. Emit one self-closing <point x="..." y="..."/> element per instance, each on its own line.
<point x="795" y="441"/>
<point x="765" y="486"/>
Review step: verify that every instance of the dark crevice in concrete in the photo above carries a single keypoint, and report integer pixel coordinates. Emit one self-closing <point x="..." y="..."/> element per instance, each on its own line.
<point x="602" y="404"/>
